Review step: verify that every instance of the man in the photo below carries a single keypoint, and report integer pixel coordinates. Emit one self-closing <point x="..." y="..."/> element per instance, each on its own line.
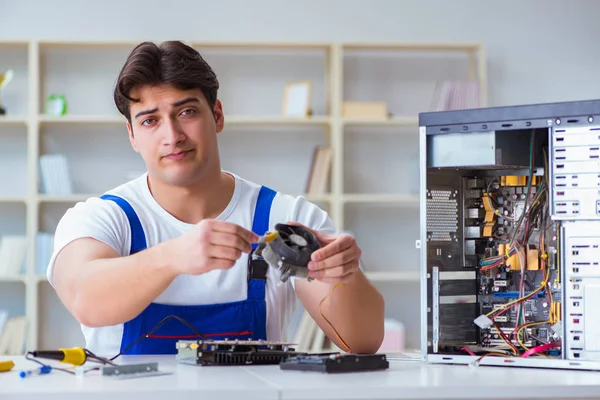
<point x="166" y="256"/>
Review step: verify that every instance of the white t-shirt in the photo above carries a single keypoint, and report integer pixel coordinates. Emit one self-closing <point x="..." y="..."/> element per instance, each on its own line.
<point x="105" y="221"/>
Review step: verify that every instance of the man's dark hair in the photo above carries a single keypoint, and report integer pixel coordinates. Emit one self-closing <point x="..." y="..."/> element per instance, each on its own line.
<point x="171" y="62"/>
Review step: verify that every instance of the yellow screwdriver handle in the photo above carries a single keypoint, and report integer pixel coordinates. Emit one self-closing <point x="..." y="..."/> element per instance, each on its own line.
<point x="6" y="366"/>
<point x="75" y="355"/>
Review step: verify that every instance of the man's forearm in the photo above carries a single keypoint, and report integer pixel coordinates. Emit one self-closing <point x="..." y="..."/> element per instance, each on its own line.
<point x="356" y="310"/>
<point x="111" y="291"/>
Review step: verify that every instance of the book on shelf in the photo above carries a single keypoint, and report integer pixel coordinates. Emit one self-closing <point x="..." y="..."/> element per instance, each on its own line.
<point x="44" y="245"/>
<point x="12" y="334"/>
<point x="455" y="95"/>
<point x="319" y="171"/>
<point x="365" y="109"/>
<point x="13" y="252"/>
<point x="55" y="175"/>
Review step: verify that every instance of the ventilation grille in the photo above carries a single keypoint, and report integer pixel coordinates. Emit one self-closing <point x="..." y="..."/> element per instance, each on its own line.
<point x="442" y="215"/>
<point x="244" y="358"/>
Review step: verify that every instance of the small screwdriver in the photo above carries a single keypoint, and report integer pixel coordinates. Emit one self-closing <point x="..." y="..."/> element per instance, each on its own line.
<point x="74" y="356"/>
<point x="38" y="371"/>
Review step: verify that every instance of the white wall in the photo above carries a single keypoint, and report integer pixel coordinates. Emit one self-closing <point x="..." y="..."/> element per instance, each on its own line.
<point x="542" y="51"/>
<point x="538" y="51"/>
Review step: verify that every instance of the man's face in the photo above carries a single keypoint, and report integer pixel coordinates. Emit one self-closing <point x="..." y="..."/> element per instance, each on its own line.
<point x="175" y="132"/>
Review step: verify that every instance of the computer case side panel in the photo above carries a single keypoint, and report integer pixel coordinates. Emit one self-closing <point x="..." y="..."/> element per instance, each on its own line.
<point x="422" y="243"/>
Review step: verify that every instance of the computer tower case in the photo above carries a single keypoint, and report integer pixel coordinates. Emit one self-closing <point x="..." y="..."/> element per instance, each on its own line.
<point x="510" y="235"/>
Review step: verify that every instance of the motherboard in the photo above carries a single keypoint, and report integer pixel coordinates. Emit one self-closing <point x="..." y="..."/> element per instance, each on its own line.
<point x="510" y="240"/>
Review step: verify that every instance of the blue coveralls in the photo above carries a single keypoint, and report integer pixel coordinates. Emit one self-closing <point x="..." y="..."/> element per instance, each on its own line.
<point x="245" y="319"/>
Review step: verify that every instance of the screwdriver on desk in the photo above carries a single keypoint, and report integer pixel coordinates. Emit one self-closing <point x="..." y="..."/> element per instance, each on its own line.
<point x="73" y="356"/>
<point x="38" y="371"/>
<point x="6" y="366"/>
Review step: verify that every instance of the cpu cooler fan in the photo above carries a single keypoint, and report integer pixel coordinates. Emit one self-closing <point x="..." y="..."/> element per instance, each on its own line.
<point x="288" y="248"/>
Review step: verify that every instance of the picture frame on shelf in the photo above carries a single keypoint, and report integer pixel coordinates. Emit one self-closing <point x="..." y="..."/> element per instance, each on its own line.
<point x="296" y="99"/>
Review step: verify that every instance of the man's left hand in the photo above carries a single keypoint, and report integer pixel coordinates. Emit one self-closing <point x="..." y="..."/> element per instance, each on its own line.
<point x="337" y="260"/>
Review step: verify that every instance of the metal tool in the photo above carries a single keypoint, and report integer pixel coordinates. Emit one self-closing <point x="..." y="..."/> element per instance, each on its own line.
<point x="131" y="371"/>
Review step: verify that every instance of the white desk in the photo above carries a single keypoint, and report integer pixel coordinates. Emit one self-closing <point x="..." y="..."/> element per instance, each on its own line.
<point x="404" y="380"/>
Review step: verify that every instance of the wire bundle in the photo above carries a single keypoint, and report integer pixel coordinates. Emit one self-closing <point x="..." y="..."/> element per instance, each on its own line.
<point x="520" y="237"/>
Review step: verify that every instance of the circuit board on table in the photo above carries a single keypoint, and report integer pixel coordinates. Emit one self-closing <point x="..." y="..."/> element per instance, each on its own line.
<point x="234" y="352"/>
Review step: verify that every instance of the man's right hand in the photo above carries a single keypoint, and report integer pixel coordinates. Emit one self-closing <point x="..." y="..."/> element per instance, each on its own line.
<point x="211" y="244"/>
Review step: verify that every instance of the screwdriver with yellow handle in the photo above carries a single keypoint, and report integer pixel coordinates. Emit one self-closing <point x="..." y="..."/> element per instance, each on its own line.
<point x="6" y="366"/>
<point x="73" y="356"/>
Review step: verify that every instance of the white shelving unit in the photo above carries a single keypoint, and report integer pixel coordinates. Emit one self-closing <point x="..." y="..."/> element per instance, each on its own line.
<point x="373" y="184"/>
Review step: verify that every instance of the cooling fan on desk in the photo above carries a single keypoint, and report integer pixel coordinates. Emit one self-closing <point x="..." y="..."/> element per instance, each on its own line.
<point x="288" y="248"/>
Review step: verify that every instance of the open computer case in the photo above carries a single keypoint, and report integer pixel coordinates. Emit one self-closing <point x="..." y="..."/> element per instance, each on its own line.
<point x="510" y="235"/>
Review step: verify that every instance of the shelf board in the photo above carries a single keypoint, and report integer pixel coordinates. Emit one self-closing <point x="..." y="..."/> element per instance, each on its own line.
<point x="416" y="46"/>
<point x="86" y="44"/>
<point x="10" y="279"/>
<point x="275" y="120"/>
<point x="46" y="198"/>
<point x="12" y="199"/>
<point x="373" y="276"/>
<point x="262" y="45"/>
<point x="404" y="199"/>
<point x="396" y="121"/>
<point x="393" y="276"/>
<point x="74" y="198"/>
<point x="309" y="45"/>
<point x="90" y="119"/>
<point x="10" y="43"/>
<point x="229" y="120"/>
<point x="12" y="120"/>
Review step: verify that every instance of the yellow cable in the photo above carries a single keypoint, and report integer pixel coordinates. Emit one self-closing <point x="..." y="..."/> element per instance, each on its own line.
<point x="524" y="326"/>
<point x="542" y="285"/>
<point x="497" y="212"/>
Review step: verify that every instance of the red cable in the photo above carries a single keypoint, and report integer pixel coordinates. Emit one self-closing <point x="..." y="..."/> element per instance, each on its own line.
<point x="541" y="348"/>
<point x="468" y="351"/>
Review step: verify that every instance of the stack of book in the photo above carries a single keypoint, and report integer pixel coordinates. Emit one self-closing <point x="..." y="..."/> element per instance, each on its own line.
<point x="320" y="169"/>
<point x="13" y="252"/>
<point x="44" y="246"/>
<point x="455" y="95"/>
<point x="12" y="334"/>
